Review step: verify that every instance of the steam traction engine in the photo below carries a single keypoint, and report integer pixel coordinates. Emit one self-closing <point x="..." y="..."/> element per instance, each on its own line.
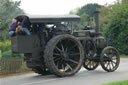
<point x="61" y="50"/>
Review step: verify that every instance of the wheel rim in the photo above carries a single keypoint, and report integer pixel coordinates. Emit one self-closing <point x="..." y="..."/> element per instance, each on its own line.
<point x="110" y="59"/>
<point x="66" y="55"/>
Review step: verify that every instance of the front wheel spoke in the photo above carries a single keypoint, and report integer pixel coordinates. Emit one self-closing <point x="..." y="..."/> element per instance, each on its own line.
<point x="69" y="66"/>
<point x="106" y="59"/>
<point x="109" y="65"/>
<point x="110" y="56"/>
<point x="73" y="61"/>
<point x="112" y="64"/>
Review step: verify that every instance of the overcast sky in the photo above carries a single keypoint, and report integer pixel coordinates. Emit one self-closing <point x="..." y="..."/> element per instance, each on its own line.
<point x="53" y="7"/>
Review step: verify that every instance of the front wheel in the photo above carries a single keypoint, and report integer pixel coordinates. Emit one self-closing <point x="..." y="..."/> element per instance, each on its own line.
<point x="109" y="59"/>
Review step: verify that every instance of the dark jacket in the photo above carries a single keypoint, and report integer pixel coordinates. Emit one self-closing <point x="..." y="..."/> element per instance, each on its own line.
<point x="13" y="26"/>
<point x="25" y="22"/>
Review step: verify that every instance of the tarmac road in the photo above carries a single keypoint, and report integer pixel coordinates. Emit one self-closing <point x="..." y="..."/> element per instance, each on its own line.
<point x="84" y="77"/>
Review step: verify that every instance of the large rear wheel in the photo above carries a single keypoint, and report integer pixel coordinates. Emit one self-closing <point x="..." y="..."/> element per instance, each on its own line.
<point x="63" y="55"/>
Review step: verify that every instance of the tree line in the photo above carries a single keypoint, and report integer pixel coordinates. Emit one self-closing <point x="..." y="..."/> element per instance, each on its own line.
<point x="113" y="22"/>
<point x="8" y="10"/>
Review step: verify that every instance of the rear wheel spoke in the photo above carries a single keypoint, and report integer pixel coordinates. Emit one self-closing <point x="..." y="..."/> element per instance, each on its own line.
<point x="61" y="62"/>
<point x="56" y="58"/>
<point x="72" y="47"/>
<point x="58" y="49"/>
<point x="69" y="66"/>
<point x="63" y="67"/>
<point x="62" y="47"/>
<point x="57" y="54"/>
<point x="74" y="54"/>
<point x="57" y="64"/>
<point x="73" y="61"/>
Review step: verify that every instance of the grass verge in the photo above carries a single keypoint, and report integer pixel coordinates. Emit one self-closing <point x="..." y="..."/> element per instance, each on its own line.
<point x="125" y="82"/>
<point x="122" y="56"/>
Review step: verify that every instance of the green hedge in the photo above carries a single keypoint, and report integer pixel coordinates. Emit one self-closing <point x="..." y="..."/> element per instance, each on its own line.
<point x="0" y="54"/>
<point x="10" y="54"/>
<point x="4" y="46"/>
<point x="5" y="50"/>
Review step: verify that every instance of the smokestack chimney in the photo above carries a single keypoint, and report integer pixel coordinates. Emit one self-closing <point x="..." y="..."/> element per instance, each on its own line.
<point x="96" y="13"/>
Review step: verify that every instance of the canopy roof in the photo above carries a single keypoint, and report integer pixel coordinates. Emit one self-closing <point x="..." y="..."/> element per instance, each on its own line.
<point x="53" y="19"/>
